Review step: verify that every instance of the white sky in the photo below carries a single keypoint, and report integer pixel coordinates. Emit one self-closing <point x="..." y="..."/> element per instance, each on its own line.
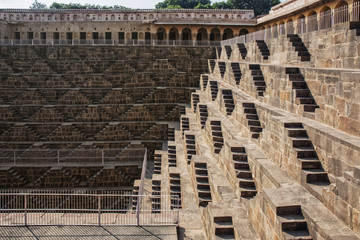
<point x="142" y="4"/>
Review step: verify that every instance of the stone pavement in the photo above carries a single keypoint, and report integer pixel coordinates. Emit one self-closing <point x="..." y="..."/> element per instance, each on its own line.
<point x="89" y="232"/>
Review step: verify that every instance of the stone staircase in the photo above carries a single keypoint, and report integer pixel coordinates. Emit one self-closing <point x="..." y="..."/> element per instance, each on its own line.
<point x="300" y="47"/>
<point x="216" y="136"/>
<point x="264" y="50"/>
<point x="258" y="79"/>
<point x="252" y="119"/>
<point x="214" y="89"/>
<point x="228" y="100"/>
<point x="236" y="71"/>
<point x="190" y="147"/>
<point x="242" y="49"/>
<point x="222" y="68"/>
<point x="172" y="155"/>
<point x="228" y="51"/>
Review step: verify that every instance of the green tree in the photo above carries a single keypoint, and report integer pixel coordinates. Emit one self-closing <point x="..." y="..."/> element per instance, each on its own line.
<point x="181" y="3"/>
<point x="260" y="7"/>
<point x="221" y="5"/>
<point x="204" y="6"/>
<point x="37" y="5"/>
<point x="56" y="5"/>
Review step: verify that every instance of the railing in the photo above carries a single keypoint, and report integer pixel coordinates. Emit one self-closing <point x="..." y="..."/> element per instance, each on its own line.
<point x="66" y="157"/>
<point x="109" y="42"/>
<point x="77" y="208"/>
<point x="314" y="22"/>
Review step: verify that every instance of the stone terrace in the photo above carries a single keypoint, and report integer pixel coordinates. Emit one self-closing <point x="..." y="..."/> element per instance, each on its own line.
<point x="85" y="98"/>
<point x="270" y="147"/>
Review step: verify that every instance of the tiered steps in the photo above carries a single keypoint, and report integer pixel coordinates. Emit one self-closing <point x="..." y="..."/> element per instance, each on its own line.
<point x="252" y="119"/>
<point x="190" y="146"/>
<point x="228" y="50"/>
<point x="175" y="190"/>
<point x="184" y="124"/>
<point x="172" y="156"/>
<point x="300" y="47"/>
<point x="306" y="154"/>
<point x="171" y="134"/>
<point x="302" y="90"/>
<point x="135" y="193"/>
<point x="242" y="49"/>
<point x="258" y="79"/>
<point x="205" y="79"/>
<point x="236" y="71"/>
<point x="214" y="89"/>
<point x="195" y="99"/>
<point x="263" y="49"/>
<point x="224" y="228"/>
<point x="219" y="52"/>
<point x="293" y="223"/>
<point x="222" y="68"/>
<point x="217" y="137"/>
<point x="203" y="114"/>
<point x="243" y="172"/>
<point x="228" y="99"/>
<point x="202" y="184"/>
<point x="212" y="64"/>
<point x="156" y="196"/>
<point x="157" y="163"/>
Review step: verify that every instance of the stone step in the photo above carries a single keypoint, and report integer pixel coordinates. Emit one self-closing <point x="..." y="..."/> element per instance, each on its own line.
<point x="310" y="107"/>
<point x="306" y="100"/>
<point x="255" y="129"/>
<point x="297" y="235"/>
<point x="246" y="183"/>
<point x="316" y="175"/>
<point x="288" y="210"/>
<point x="310" y="163"/>
<point x="247" y="192"/>
<point x="297" y="132"/>
<point x="304" y="152"/>
<point x="243" y="173"/>
<point x="252" y="117"/>
<point x="302" y="92"/>
<point x="301" y="142"/>
<point x="305" y="58"/>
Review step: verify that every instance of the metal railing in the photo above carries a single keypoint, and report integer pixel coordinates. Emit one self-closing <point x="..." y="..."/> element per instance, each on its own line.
<point x="78" y="208"/>
<point x="311" y="23"/>
<point x="108" y="42"/>
<point x="66" y="157"/>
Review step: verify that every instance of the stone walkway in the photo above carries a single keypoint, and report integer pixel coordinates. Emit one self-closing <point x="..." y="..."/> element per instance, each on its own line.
<point x="88" y="232"/>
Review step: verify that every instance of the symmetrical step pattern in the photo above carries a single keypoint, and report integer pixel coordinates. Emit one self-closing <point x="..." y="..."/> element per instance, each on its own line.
<point x="212" y="64"/>
<point x="203" y="114"/>
<point x="252" y="119"/>
<point x="242" y="49"/>
<point x="171" y="134"/>
<point x="195" y="99"/>
<point x="243" y="172"/>
<point x="228" y="50"/>
<point x="293" y="223"/>
<point x="258" y="79"/>
<point x="224" y="228"/>
<point x="217" y="137"/>
<point x="155" y="196"/>
<point x="300" y="47"/>
<point x="172" y="155"/>
<point x="214" y="89"/>
<point x="190" y="145"/>
<point x="306" y="154"/>
<point x="202" y="184"/>
<point x="263" y="49"/>
<point x="175" y="190"/>
<point x="157" y="164"/>
<point x="299" y="85"/>
<point x="185" y="125"/>
<point x="237" y="72"/>
<point x="228" y="99"/>
<point x="205" y="79"/>
<point x="222" y="68"/>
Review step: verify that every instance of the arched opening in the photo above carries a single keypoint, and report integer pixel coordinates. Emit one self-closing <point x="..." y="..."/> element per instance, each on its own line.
<point x="228" y="33"/>
<point x="274" y="31"/>
<point x="341" y="12"/>
<point x="174" y="34"/>
<point x="289" y="26"/>
<point x="202" y="36"/>
<point x="186" y="35"/>
<point x="312" y="22"/>
<point x="243" y="31"/>
<point x="301" y="27"/>
<point x="281" y="28"/>
<point x="215" y="35"/>
<point x="161" y="36"/>
<point x="325" y="18"/>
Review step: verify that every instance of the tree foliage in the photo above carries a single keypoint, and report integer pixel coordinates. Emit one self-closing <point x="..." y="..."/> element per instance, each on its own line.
<point x="260" y="7"/>
<point x="56" y="5"/>
<point x="37" y="5"/>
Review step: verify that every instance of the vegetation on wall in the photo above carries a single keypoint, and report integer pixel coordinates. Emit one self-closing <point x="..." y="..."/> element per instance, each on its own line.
<point x="260" y="7"/>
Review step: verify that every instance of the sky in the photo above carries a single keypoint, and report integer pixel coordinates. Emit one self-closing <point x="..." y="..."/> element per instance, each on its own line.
<point x="142" y="4"/>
